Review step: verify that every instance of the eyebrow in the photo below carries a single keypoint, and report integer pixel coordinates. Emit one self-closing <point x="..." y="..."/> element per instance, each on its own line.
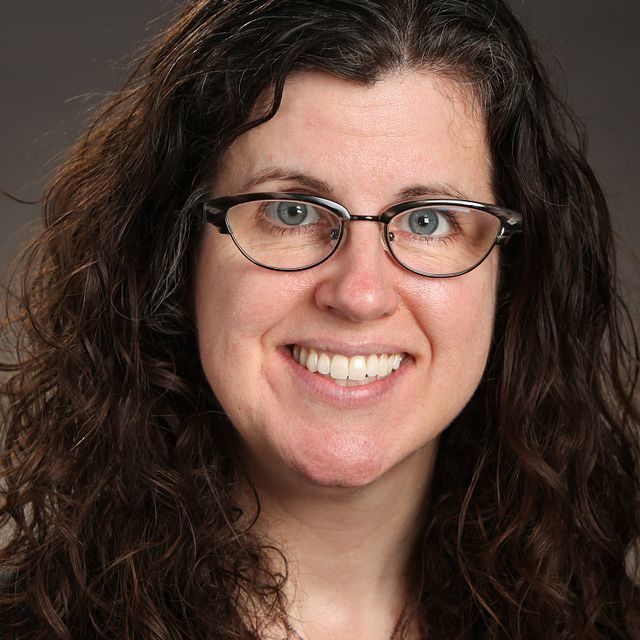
<point x="433" y="190"/>
<point x="280" y="174"/>
<point x="414" y="191"/>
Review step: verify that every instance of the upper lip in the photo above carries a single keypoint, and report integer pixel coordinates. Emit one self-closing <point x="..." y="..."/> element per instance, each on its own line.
<point x="351" y="348"/>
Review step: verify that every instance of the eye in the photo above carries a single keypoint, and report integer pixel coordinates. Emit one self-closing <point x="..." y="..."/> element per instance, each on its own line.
<point x="425" y="222"/>
<point x="291" y="214"/>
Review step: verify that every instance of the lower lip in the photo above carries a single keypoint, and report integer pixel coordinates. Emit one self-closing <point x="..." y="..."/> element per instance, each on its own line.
<point x="328" y="391"/>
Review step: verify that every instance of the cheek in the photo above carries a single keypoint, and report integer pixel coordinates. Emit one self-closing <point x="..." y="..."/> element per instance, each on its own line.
<point x="237" y="305"/>
<point x="465" y="322"/>
<point x="223" y="313"/>
<point x="456" y="315"/>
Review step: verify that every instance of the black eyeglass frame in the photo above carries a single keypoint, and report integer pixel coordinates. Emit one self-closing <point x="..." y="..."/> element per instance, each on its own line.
<point x="215" y="212"/>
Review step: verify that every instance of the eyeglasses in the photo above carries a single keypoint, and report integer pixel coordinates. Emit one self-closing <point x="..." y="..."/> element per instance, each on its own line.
<point x="293" y="232"/>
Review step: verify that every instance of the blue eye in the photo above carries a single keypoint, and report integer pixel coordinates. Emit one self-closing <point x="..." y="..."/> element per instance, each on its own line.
<point x="291" y="214"/>
<point x="426" y="222"/>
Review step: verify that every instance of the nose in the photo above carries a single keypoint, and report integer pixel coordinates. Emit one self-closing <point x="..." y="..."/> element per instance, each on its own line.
<point x="357" y="282"/>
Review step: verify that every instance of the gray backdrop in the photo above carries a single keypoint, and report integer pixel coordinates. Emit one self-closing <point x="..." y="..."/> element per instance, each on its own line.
<point x="58" y="58"/>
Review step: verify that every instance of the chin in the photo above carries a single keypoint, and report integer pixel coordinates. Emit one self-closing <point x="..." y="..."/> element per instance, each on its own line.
<point x="348" y="461"/>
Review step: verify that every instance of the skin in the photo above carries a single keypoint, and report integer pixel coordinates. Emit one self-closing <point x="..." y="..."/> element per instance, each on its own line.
<point x="342" y="473"/>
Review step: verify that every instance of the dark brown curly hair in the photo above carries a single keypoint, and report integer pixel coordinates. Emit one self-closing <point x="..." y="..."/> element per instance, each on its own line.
<point x="118" y="517"/>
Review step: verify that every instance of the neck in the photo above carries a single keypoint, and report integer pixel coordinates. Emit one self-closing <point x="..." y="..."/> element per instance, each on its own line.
<point x="347" y="549"/>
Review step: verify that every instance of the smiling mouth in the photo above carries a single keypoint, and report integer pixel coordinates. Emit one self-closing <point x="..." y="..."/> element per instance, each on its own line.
<point x="348" y="371"/>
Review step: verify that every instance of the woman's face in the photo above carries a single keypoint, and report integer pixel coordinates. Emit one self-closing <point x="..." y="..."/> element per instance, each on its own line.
<point x="366" y="147"/>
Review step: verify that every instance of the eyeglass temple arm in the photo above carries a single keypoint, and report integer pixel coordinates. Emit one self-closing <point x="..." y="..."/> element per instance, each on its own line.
<point x="511" y="226"/>
<point x="215" y="216"/>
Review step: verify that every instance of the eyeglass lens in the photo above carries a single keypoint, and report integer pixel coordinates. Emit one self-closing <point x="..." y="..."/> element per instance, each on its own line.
<point x="435" y="240"/>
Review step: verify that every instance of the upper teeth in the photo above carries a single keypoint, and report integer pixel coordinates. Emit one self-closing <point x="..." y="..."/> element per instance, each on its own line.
<point x="341" y="367"/>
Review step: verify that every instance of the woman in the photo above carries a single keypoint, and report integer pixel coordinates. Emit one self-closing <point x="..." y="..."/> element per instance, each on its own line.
<point x="322" y="340"/>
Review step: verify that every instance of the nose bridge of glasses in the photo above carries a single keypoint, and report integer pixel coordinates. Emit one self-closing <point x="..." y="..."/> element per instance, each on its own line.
<point x="369" y="218"/>
<point x="357" y="218"/>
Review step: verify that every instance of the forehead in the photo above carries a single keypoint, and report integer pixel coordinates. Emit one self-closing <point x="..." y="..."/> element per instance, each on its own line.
<point x="408" y="128"/>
